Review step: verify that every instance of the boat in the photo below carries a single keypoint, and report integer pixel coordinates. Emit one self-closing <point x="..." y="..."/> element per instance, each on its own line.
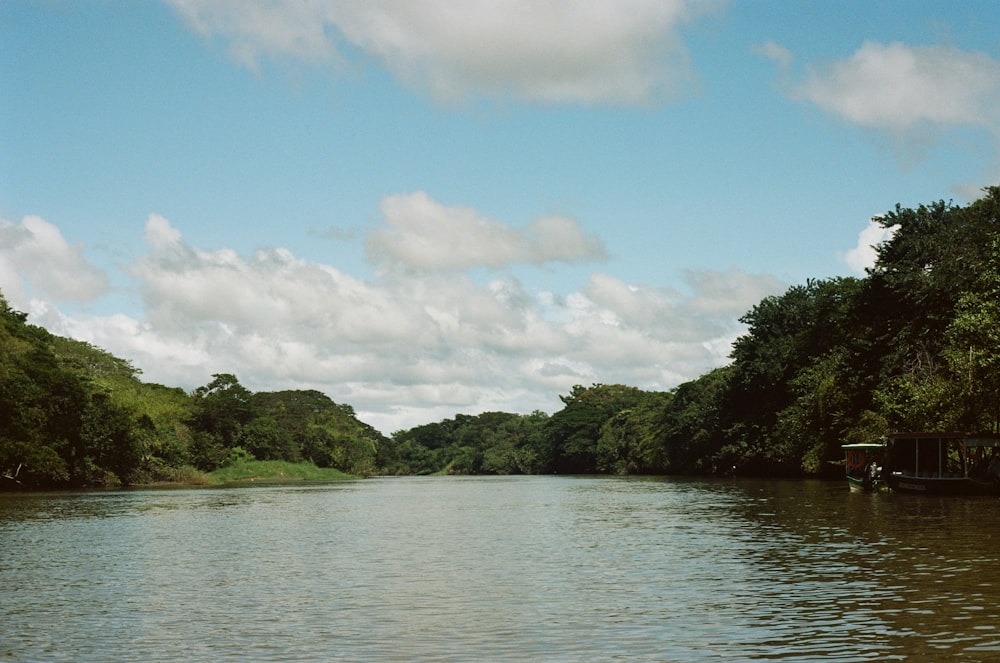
<point x="863" y="463"/>
<point x="952" y="463"/>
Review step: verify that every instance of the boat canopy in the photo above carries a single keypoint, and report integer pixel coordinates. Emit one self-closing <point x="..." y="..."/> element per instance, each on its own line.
<point x="983" y="442"/>
<point x="970" y="439"/>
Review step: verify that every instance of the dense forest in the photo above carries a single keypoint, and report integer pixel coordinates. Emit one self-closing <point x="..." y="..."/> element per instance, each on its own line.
<point x="915" y="344"/>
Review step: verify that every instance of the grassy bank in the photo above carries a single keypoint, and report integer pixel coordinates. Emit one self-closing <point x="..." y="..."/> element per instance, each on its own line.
<point x="274" y="470"/>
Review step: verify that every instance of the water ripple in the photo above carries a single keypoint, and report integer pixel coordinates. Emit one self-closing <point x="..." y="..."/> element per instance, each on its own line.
<point x="539" y="568"/>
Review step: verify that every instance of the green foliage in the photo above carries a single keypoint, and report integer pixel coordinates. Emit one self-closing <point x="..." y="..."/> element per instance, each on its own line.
<point x="575" y="431"/>
<point x="282" y="426"/>
<point x="914" y="345"/>
<point x="222" y="408"/>
<point x="245" y="469"/>
<point x="42" y="406"/>
<point x="631" y="440"/>
<point x="933" y="294"/>
<point x="110" y="441"/>
<point x="975" y="373"/>
<point x="690" y="427"/>
<point x="73" y="415"/>
<point x="517" y="445"/>
<point x="489" y="443"/>
<point x="294" y="425"/>
<point x="265" y="439"/>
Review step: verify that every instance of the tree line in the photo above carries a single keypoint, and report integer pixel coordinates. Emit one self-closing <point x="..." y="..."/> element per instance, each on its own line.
<point x="73" y="415"/>
<point x="913" y="345"/>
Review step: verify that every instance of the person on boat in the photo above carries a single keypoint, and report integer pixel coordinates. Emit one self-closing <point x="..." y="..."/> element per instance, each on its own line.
<point x="872" y="475"/>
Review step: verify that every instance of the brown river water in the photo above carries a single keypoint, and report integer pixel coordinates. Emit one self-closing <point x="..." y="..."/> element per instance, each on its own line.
<point x="500" y="569"/>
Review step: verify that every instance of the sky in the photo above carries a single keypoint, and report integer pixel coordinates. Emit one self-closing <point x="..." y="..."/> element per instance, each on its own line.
<point x="430" y="208"/>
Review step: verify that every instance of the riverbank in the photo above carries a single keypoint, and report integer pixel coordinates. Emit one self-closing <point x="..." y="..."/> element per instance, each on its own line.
<point x="250" y="472"/>
<point x="247" y="471"/>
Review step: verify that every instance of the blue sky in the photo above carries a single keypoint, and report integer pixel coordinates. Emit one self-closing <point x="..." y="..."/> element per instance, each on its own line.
<point x="429" y="208"/>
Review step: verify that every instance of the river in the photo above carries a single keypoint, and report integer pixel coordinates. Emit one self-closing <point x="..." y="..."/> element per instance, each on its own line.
<point x="500" y="569"/>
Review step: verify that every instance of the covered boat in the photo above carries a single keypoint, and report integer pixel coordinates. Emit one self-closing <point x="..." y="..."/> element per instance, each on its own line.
<point x="942" y="463"/>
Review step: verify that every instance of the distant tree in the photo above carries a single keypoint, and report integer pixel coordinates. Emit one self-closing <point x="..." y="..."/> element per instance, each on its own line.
<point x="222" y="408"/>
<point x="517" y="445"/>
<point x="631" y="441"/>
<point x="575" y="430"/>
<point x="265" y="439"/>
<point x="108" y="433"/>
<point x="309" y="425"/>
<point x="42" y="406"/>
<point x="789" y="379"/>
<point x="689" y="425"/>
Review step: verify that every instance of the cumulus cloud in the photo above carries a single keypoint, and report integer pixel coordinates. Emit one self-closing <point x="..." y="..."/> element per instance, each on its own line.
<point x="405" y="349"/>
<point x="914" y="95"/>
<point x="35" y="253"/>
<point x="419" y="233"/>
<point x="862" y="256"/>
<point x="901" y="88"/>
<point x="550" y="51"/>
<point x="647" y="335"/>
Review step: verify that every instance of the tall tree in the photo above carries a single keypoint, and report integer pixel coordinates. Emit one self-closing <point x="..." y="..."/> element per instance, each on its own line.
<point x="930" y="291"/>
<point x="221" y="409"/>
<point x="575" y="430"/>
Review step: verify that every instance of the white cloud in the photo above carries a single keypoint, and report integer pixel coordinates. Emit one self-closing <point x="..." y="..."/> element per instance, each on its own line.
<point x="34" y="254"/>
<point x="775" y="52"/>
<point x="863" y="256"/>
<point x="914" y="95"/>
<point x="414" y="348"/>
<point x="717" y="294"/>
<point x="549" y="51"/>
<point x="903" y="88"/>
<point x="418" y="233"/>
<point x="296" y="29"/>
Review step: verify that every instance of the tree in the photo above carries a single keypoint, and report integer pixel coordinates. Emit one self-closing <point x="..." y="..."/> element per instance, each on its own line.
<point x="41" y="408"/>
<point x="265" y="439"/>
<point x="973" y="336"/>
<point x="689" y="425"/>
<point x="575" y="430"/>
<point x="517" y="445"/>
<point x="108" y="433"/>
<point x="308" y="425"/>
<point x="222" y="408"/>
<point x="932" y="290"/>
<point x="632" y="441"/>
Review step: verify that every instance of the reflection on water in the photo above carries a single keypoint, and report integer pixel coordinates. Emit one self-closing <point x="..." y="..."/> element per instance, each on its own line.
<point x="521" y="568"/>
